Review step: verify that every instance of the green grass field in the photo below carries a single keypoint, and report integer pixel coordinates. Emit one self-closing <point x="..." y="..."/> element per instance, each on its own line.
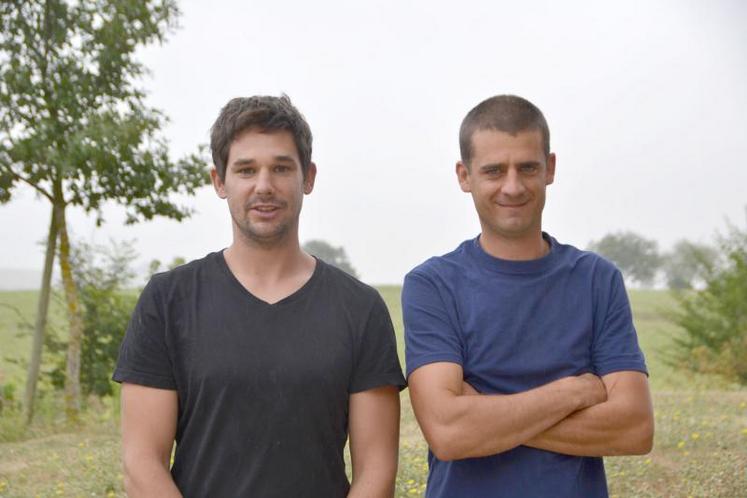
<point x="700" y="446"/>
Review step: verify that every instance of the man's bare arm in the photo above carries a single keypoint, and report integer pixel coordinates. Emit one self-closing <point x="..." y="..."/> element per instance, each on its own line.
<point x="374" y="442"/>
<point x="148" y="430"/>
<point x="459" y="426"/>
<point x="622" y="425"/>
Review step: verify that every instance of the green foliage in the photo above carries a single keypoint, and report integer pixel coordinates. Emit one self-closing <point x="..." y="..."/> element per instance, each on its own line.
<point x="7" y="396"/>
<point x="715" y="318"/>
<point x="73" y="124"/>
<point x="156" y="266"/>
<point x="636" y="257"/>
<point x="687" y="263"/>
<point x="336" y="256"/>
<point x="101" y="276"/>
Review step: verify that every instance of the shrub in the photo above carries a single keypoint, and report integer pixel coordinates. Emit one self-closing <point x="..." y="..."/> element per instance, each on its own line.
<point x="714" y="318"/>
<point x="101" y="276"/>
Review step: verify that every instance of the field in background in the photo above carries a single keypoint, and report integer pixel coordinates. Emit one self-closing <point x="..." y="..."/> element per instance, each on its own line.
<point x="700" y="447"/>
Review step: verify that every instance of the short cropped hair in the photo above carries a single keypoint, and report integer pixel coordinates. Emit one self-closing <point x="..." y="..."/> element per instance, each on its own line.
<point x="506" y="113"/>
<point x="266" y="114"/>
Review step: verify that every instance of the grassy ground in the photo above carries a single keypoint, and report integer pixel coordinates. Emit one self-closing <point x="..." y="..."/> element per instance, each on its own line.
<point x="700" y="447"/>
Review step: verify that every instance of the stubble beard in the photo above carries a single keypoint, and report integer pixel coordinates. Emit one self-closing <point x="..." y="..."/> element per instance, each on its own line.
<point x="266" y="238"/>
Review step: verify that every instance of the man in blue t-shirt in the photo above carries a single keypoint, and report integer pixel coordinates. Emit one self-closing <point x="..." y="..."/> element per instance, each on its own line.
<point x="522" y="359"/>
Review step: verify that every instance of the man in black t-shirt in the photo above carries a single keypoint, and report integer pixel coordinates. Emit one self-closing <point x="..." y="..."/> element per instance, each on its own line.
<point x="260" y="359"/>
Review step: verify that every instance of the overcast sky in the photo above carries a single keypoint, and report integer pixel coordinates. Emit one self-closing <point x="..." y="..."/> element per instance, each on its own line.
<point x="646" y="102"/>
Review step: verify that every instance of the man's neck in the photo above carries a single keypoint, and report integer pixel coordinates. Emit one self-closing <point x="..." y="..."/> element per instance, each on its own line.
<point x="524" y="248"/>
<point x="269" y="272"/>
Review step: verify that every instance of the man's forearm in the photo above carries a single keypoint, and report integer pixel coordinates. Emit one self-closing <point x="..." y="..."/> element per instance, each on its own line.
<point x="622" y="425"/>
<point x="373" y="423"/>
<point x="373" y="485"/>
<point x="458" y="425"/>
<point x="148" y="478"/>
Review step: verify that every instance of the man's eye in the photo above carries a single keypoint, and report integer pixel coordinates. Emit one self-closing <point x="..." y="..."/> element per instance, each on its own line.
<point x="529" y="168"/>
<point x="282" y="169"/>
<point x="246" y="171"/>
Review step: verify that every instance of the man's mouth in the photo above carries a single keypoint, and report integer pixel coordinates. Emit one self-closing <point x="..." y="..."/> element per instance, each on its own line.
<point x="265" y="207"/>
<point x="512" y="204"/>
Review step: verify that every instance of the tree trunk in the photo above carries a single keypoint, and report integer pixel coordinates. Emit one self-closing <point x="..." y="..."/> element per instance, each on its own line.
<point x="41" y="321"/>
<point x="72" y="377"/>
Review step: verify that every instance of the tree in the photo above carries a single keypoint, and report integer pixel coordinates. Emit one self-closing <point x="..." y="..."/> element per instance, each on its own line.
<point x="75" y="128"/>
<point x="336" y="256"/>
<point x="687" y="264"/>
<point x="714" y="318"/>
<point x="637" y="257"/>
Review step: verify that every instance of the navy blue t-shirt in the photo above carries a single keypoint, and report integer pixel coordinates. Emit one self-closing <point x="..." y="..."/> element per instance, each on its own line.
<point x="514" y="326"/>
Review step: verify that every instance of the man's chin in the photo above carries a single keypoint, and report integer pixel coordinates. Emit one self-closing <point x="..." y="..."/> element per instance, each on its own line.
<point x="515" y="230"/>
<point x="265" y="236"/>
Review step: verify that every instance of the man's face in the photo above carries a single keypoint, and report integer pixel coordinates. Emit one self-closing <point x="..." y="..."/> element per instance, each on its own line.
<point x="507" y="179"/>
<point x="264" y="185"/>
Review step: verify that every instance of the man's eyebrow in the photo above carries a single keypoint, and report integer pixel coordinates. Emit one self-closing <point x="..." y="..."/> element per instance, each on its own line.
<point x="242" y="162"/>
<point x="249" y="161"/>
<point x="491" y="166"/>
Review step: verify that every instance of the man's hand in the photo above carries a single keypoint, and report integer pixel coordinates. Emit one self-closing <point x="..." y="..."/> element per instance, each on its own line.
<point x="148" y="429"/>
<point x="623" y="424"/>
<point x="620" y="425"/>
<point x="592" y="389"/>
<point x="458" y="424"/>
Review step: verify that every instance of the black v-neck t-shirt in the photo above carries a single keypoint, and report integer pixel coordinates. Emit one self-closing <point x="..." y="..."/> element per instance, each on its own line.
<point x="263" y="388"/>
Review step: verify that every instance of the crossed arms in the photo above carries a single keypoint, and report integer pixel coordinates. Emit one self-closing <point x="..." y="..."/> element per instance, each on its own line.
<point x="583" y="415"/>
<point x="149" y="425"/>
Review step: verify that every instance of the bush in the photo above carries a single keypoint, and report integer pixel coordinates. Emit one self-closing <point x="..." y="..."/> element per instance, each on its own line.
<point x="685" y="265"/>
<point x="715" y="318"/>
<point x="101" y="276"/>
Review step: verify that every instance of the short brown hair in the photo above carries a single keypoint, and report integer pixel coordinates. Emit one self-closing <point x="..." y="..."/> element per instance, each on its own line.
<point x="506" y="113"/>
<point x="267" y="114"/>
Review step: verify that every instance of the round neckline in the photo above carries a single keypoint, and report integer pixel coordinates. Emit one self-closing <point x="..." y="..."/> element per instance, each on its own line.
<point x="290" y="298"/>
<point x="528" y="266"/>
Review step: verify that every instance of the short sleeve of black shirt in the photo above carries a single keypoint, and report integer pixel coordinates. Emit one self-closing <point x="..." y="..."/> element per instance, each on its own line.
<point x="143" y="355"/>
<point x="376" y="363"/>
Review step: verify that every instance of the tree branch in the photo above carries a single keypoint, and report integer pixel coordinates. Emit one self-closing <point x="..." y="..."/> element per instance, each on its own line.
<point x="28" y="182"/>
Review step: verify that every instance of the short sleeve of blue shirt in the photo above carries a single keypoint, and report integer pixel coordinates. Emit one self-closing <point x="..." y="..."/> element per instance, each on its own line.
<point x="431" y="331"/>
<point x="615" y="345"/>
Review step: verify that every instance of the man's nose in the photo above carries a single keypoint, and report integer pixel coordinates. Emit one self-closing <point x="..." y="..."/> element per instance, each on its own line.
<point x="513" y="185"/>
<point x="264" y="181"/>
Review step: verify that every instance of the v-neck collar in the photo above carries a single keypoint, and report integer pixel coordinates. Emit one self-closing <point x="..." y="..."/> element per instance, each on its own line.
<point x="294" y="296"/>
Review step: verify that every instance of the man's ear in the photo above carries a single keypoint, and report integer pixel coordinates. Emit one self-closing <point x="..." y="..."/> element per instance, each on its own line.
<point x="218" y="184"/>
<point x="550" y="174"/>
<point x="462" y="172"/>
<point x="308" y="181"/>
